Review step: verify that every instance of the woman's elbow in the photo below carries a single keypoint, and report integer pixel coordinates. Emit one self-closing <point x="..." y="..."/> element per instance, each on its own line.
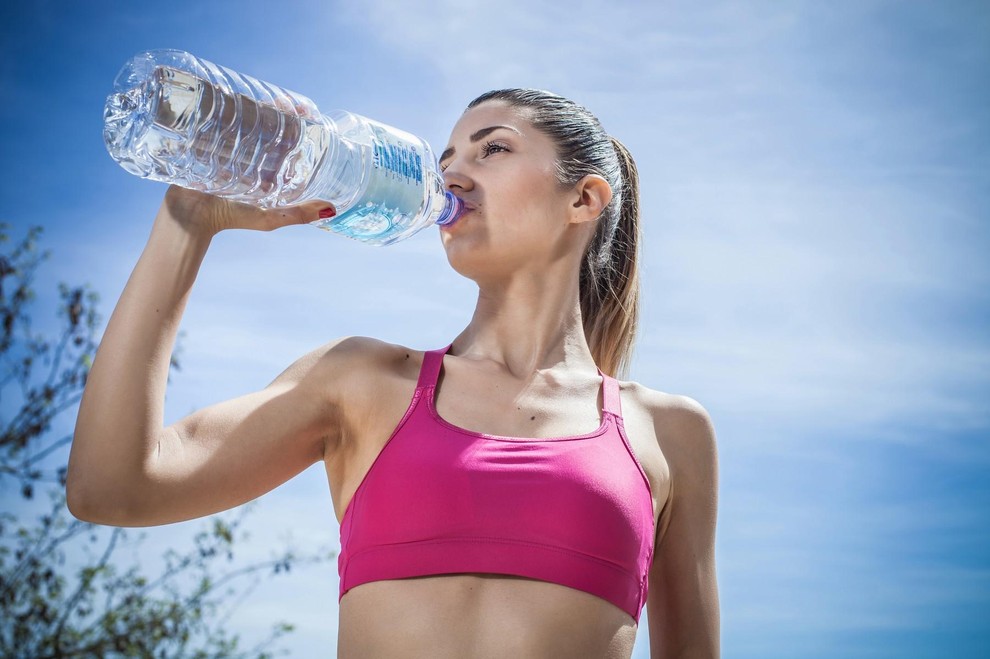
<point x="91" y="497"/>
<point x="83" y="503"/>
<point x="80" y="507"/>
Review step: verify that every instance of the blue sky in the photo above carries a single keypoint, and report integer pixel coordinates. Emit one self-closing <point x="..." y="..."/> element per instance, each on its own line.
<point x="814" y="196"/>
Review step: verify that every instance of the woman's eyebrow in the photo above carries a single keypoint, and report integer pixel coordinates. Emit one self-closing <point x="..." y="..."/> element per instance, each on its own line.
<point x="475" y="137"/>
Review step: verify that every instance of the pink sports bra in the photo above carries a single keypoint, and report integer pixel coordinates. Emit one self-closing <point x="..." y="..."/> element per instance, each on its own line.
<point x="576" y="511"/>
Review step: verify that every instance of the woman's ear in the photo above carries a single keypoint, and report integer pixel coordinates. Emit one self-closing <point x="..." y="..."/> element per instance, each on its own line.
<point x="591" y="195"/>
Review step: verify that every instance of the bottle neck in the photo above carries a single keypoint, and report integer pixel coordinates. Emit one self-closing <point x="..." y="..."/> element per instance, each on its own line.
<point x="452" y="209"/>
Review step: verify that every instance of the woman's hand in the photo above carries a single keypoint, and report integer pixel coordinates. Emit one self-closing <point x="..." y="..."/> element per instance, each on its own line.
<point x="199" y="212"/>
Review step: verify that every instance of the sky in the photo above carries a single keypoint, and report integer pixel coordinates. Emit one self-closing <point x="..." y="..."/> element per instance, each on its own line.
<point x="815" y="192"/>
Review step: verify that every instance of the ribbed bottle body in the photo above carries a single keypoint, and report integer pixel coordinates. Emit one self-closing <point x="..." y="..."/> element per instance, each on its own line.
<point x="176" y="118"/>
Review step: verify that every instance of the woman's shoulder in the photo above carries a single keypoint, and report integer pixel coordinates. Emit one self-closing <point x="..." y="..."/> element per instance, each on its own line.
<point x="660" y="402"/>
<point x="365" y="356"/>
<point x="356" y="372"/>
<point x="678" y="419"/>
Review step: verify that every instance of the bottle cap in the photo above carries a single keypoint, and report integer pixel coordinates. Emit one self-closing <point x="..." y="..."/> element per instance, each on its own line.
<point x="451" y="210"/>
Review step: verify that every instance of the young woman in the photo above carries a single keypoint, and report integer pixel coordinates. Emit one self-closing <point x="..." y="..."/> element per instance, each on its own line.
<point x="503" y="496"/>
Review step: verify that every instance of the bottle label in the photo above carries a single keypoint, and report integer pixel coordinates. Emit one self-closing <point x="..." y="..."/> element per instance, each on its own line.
<point x="401" y="161"/>
<point x="394" y="194"/>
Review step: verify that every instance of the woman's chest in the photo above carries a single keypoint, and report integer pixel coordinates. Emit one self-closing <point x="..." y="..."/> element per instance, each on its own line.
<point x="463" y="418"/>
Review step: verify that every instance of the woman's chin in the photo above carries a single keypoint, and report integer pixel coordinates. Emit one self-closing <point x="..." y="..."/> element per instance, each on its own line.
<point x="464" y="233"/>
<point x="467" y="251"/>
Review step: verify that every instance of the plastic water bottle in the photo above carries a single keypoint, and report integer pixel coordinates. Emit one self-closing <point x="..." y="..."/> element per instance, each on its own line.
<point x="176" y="118"/>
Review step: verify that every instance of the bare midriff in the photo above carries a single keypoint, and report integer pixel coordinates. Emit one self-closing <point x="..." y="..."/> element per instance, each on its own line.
<point x="480" y="615"/>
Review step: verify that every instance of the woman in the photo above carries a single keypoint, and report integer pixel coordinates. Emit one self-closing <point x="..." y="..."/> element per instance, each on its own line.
<point x="528" y="504"/>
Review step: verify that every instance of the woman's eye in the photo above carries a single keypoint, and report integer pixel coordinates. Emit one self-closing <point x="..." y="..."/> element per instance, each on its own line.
<point x="492" y="147"/>
<point x="487" y="149"/>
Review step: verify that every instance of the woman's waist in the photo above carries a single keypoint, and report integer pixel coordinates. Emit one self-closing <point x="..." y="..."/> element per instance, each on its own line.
<point x="478" y="614"/>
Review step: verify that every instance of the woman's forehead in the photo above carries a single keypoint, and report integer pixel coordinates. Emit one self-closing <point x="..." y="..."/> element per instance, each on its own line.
<point x="491" y="113"/>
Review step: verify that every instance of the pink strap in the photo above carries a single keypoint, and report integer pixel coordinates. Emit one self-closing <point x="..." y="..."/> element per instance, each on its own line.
<point x="430" y="371"/>
<point x="433" y="360"/>
<point x="610" y="396"/>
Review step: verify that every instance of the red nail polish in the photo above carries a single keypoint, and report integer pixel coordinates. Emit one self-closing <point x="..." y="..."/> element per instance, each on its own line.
<point x="327" y="212"/>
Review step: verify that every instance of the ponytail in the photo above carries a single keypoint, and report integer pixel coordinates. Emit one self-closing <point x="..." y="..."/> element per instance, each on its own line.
<point x="610" y="277"/>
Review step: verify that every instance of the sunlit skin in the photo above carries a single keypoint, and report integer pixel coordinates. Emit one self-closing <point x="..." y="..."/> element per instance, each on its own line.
<point x="522" y="367"/>
<point x="521" y="240"/>
<point x="518" y="213"/>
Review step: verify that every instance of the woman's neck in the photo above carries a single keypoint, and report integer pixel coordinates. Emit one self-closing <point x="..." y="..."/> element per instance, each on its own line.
<point x="527" y="324"/>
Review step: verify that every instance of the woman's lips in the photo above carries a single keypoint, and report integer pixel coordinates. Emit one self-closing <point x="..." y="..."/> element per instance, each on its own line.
<point x="464" y="211"/>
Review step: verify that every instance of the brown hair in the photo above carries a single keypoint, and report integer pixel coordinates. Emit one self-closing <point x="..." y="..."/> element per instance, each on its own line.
<point x="609" y="277"/>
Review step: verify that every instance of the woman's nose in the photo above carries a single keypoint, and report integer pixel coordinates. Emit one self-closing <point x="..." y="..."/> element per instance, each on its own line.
<point x="454" y="178"/>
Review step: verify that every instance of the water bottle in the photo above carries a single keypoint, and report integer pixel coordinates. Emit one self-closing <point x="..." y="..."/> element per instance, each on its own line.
<point x="176" y="118"/>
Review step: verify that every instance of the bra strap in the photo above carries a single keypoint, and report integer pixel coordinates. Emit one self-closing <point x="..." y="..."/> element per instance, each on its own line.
<point x="610" y="395"/>
<point x="430" y="371"/>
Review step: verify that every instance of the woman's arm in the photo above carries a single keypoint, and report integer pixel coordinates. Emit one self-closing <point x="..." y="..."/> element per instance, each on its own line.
<point x="682" y="604"/>
<point x="124" y="468"/>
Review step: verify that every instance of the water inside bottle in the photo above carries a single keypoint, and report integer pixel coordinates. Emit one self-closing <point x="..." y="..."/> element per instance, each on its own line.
<point x="212" y="129"/>
<point x="177" y="127"/>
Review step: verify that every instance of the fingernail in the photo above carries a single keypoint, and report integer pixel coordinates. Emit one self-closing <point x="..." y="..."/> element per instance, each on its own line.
<point x="329" y="211"/>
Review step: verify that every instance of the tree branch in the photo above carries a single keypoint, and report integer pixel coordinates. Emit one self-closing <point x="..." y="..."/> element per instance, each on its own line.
<point x="84" y="584"/>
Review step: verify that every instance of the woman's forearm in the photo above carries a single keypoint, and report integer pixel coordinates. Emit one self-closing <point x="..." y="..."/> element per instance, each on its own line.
<point x="121" y="413"/>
